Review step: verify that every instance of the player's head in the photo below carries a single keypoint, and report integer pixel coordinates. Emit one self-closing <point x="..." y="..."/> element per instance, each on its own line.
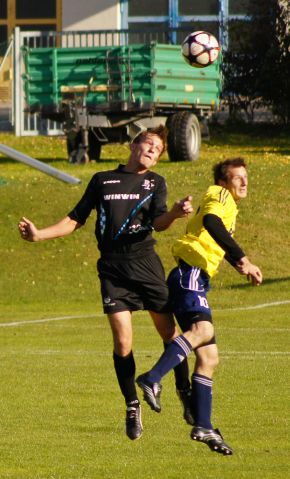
<point x="232" y="175"/>
<point x="148" y="146"/>
<point x="160" y="132"/>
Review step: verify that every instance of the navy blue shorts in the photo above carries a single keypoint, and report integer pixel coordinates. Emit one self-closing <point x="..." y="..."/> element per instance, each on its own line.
<point x="188" y="287"/>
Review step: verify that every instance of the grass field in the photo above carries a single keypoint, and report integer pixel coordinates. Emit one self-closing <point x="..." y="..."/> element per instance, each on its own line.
<point x="62" y="415"/>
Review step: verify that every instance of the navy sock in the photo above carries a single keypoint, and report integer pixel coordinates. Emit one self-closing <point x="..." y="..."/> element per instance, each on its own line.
<point x="172" y="356"/>
<point x="181" y="373"/>
<point x="202" y="400"/>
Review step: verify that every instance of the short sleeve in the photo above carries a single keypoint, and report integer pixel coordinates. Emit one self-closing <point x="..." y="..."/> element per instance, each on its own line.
<point x="87" y="203"/>
<point x="158" y="204"/>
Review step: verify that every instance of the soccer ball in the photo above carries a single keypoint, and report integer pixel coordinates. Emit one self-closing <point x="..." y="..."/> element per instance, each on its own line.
<point x="200" y="49"/>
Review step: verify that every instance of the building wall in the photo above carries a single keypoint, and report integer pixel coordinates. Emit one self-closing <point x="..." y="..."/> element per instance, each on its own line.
<point x="90" y="14"/>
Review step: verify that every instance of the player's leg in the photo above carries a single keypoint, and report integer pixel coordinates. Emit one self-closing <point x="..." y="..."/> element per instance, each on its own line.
<point x="187" y="300"/>
<point x="183" y="388"/>
<point x="155" y="296"/>
<point x="203" y="430"/>
<point x="206" y="361"/>
<point x="121" y="326"/>
<point x="166" y="327"/>
<point x="199" y="333"/>
<point x="118" y="302"/>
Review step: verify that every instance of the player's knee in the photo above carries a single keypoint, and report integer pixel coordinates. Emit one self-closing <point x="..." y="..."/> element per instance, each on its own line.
<point x="122" y="347"/>
<point x="205" y="331"/>
<point x="207" y="361"/>
<point x="213" y="361"/>
<point x="169" y="334"/>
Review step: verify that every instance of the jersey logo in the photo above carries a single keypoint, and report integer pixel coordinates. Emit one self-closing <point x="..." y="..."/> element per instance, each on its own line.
<point x="223" y="196"/>
<point x="148" y="184"/>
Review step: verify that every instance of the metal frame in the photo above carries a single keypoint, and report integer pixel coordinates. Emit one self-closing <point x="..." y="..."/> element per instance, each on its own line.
<point x="26" y="124"/>
<point x="174" y="19"/>
<point x="11" y="21"/>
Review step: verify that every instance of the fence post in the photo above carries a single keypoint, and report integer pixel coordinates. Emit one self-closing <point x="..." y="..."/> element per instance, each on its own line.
<point x="17" y="83"/>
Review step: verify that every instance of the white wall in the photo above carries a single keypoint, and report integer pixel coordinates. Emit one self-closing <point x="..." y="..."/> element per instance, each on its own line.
<point x="90" y="14"/>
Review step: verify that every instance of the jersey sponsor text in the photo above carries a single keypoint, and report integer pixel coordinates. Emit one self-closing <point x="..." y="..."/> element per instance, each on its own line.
<point x="122" y="196"/>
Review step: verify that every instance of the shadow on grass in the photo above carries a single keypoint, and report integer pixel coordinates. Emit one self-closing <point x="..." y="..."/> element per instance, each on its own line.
<point x="275" y="150"/>
<point x="265" y="282"/>
<point x="251" y="135"/>
<point x="9" y="161"/>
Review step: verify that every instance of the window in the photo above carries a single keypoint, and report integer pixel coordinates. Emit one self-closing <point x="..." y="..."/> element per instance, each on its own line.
<point x="188" y="27"/>
<point x="239" y="34"/>
<point x="198" y="7"/>
<point x="3" y="35"/>
<point x="238" y="7"/>
<point x="37" y="27"/>
<point x="150" y="8"/>
<point x="35" y="9"/>
<point x="140" y="33"/>
<point x="3" y="9"/>
<point x="41" y="15"/>
<point x="185" y="16"/>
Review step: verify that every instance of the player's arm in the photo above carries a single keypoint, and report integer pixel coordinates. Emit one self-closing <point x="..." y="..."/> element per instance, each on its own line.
<point x="30" y="232"/>
<point x="180" y="209"/>
<point x="233" y="253"/>
<point x="70" y="223"/>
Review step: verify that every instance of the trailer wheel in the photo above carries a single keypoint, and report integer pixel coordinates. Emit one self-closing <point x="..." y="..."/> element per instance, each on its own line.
<point x="184" y="137"/>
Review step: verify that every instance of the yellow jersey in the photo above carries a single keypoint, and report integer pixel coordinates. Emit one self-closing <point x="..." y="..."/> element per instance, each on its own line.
<point x="197" y="247"/>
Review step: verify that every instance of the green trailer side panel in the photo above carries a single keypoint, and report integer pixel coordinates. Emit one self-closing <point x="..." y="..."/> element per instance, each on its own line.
<point x="137" y="74"/>
<point x="178" y="82"/>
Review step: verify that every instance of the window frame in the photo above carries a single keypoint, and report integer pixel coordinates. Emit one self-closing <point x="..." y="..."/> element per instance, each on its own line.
<point x="223" y="17"/>
<point x="12" y="21"/>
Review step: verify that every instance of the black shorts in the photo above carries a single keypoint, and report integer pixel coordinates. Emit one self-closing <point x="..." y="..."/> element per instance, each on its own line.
<point x="135" y="284"/>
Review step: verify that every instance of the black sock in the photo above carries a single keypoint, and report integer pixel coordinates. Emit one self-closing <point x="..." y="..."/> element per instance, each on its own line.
<point x="125" y="369"/>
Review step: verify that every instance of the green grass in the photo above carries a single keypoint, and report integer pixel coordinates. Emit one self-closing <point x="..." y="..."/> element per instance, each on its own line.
<point x="62" y="415"/>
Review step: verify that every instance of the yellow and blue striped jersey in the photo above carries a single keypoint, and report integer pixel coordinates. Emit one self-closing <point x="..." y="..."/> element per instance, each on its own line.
<point x="197" y="247"/>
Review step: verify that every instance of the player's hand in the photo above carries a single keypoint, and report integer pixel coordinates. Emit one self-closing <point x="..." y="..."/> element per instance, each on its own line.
<point x="183" y="207"/>
<point x="244" y="266"/>
<point x="28" y="230"/>
<point x="255" y="275"/>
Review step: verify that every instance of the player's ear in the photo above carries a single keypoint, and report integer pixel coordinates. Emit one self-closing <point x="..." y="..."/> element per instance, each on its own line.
<point x="222" y="183"/>
<point x="132" y="146"/>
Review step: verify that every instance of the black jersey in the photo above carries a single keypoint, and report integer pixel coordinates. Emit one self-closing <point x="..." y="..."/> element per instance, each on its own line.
<point x="126" y="205"/>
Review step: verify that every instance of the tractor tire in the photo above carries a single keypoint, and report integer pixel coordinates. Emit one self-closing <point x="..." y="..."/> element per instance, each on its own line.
<point x="184" y="137"/>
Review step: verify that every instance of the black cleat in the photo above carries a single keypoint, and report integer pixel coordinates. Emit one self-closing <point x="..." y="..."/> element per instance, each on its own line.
<point x="185" y="399"/>
<point x="151" y="392"/>
<point x="134" y="426"/>
<point x="213" y="438"/>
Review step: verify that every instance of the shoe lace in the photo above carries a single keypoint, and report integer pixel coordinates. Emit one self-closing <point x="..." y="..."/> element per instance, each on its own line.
<point x="132" y="413"/>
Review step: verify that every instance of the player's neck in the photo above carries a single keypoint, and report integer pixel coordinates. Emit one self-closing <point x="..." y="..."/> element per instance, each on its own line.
<point x="134" y="168"/>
